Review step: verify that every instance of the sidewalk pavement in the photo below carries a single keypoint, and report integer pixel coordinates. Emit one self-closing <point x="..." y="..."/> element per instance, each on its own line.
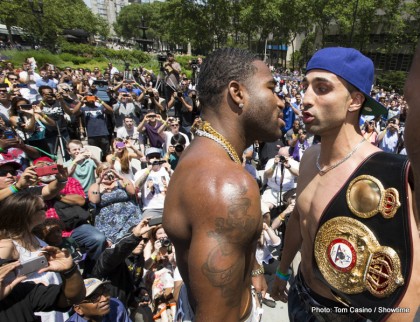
<point x="279" y="313"/>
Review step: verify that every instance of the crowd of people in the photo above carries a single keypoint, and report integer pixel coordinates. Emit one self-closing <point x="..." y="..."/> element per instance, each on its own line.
<point x="104" y="210"/>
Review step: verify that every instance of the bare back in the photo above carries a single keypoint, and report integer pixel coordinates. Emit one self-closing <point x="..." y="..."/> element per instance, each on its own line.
<point x="212" y="215"/>
<point x="314" y="193"/>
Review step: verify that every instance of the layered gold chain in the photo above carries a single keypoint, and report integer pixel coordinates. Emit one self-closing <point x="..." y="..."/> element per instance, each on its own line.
<point x="204" y="129"/>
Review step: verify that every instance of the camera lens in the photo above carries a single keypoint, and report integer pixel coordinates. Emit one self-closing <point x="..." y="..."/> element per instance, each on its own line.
<point x="282" y="159"/>
<point x="179" y="148"/>
<point x="165" y="242"/>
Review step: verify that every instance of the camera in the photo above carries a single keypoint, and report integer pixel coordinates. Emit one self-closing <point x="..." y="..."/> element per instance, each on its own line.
<point x="127" y="66"/>
<point x="46" y="170"/>
<point x="9" y="134"/>
<point x="282" y="159"/>
<point x="145" y="298"/>
<point x="161" y="58"/>
<point x="179" y="93"/>
<point x="110" y="176"/>
<point x="179" y="148"/>
<point x="158" y="162"/>
<point x="165" y="242"/>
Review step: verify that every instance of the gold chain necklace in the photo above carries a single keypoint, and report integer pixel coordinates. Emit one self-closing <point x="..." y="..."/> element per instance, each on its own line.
<point x="322" y="172"/>
<point x="204" y="129"/>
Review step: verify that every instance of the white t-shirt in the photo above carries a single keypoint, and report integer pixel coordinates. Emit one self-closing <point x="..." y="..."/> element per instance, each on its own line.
<point x="168" y="137"/>
<point x="289" y="178"/>
<point x="154" y="199"/>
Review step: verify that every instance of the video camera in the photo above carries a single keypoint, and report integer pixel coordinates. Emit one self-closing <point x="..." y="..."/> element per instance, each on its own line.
<point x="161" y="58"/>
<point x="194" y="63"/>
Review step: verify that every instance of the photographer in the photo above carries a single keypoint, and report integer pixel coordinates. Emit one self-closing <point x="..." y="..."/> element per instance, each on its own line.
<point x="389" y="139"/>
<point x="280" y="173"/>
<point x="115" y="200"/>
<point x="94" y="111"/>
<point x="183" y="105"/>
<point x="126" y="106"/>
<point x="152" y="101"/>
<point x="195" y="65"/>
<point x="19" y="301"/>
<point x="113" y="264"/>
<point x="153" y="182"/>
<point x="173" y="129"/>
<point x="172" y="69"/>
<point x="160" y="263"/>
<point x="150" y="126"/>
<point x="54" y="106"/>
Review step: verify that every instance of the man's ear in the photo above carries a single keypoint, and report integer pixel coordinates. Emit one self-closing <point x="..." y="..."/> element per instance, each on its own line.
<point x="236" y="92"/>
<point x="78" y="309"/>
<point x="357" y="100"/>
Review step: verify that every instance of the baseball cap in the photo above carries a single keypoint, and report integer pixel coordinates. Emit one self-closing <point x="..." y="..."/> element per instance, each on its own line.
<point x="352" y="66"/>
<point x="42" y="159"/>
<point x="150" y="151"/>
<point x="91" y="284"/>
<point x="8" y="159"/>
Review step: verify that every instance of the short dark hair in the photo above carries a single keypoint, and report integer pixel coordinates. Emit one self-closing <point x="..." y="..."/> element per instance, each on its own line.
<point x="42" y="87"/>
<point x="221" y="67"/>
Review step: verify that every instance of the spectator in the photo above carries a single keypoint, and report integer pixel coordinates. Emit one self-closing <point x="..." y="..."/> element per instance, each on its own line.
<point x="183" y="106"/>
<point x="292" y="135"/>
<point x="45" y="80"/>
<point x="153" y="182"/>
<point x="10" y="183"/>
<point x="178" y="143"/>
<point x="98" y="305"/>
<point x="160" y="262"/>
<point x="369" y="131"/>
<point x="172" y="69"/>
<point x="150" y="126"/>
<point x="281" y="173"/>
<point x="94" y="111"/>
<point x="124" y="107"/>
<point x="67" y="204"/>
<point x="129" y="132"/>
<point x="112" y="70"/>
<point x="5" y="99"/>
<point x="173" y="129"/>
<point x="20" y="213"/>
<point x="120" y="159"/>
<point x="389" y="138"/>
<point x="113" y="197"/>
<point x="53" y="106"/>
<point x="300" y="146"/>
<point x="19" y="301"/>
<point x="152" y="101"/>
<point x="113" y="264"/>
<point x="82" y="164"/>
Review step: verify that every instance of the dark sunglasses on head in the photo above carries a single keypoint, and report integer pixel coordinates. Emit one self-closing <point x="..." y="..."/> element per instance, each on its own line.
<point x="4" y="172"/>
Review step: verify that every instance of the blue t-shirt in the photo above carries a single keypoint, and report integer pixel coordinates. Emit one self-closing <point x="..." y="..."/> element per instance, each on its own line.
<point x="95" y="121"/>
<point x="117" y="313"/>
<point x="49" y="82"/>
<point x="288" y="117"/>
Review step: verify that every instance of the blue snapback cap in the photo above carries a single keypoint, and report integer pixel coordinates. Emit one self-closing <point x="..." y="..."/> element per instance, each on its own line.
<point x="352" y="66"/>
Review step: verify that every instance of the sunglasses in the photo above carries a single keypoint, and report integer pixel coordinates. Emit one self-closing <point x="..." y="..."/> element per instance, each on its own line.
<point x="4" y="173"/>
<point x="175" y="125"/>
<point x="96" y="296"/>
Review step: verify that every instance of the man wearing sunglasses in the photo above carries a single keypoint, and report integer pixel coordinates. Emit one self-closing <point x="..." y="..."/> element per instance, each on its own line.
<point x="10" y="183"/>
<point x="98" y="305"/>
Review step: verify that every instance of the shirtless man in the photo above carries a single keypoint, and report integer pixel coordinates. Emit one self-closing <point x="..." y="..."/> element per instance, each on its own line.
<point x="212" y="208"/>
<point x="341" y="235"/>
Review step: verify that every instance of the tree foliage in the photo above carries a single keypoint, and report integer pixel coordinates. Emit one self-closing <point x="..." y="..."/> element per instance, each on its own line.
<point x="46" y="25"/>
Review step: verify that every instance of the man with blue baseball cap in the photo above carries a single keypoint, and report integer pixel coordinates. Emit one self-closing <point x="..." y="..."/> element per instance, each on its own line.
<point x="360" y="252"/>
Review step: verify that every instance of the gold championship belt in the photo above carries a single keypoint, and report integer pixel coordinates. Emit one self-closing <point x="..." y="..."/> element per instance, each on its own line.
<point x="363" y="248"/>
<point x="352" y="261"/>
<point x="366" y="197"/>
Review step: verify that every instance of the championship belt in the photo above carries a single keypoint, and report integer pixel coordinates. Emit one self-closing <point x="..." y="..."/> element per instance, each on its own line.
<point x="351" y="259"/>
<point x="363" y="247"/>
